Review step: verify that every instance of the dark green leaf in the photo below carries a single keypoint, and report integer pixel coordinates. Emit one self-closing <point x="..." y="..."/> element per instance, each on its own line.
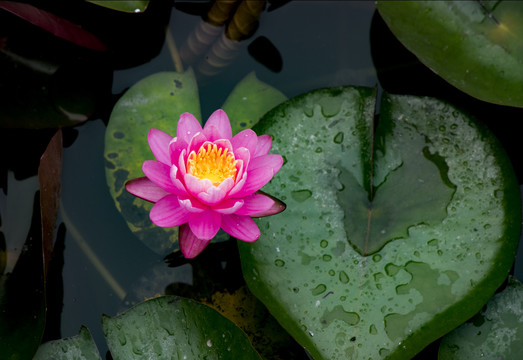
<point x="175" y="328"/>
<point x="474" y="45"/>
<point x="77" y="347"/>
<point x="495" y="333"/>
<point x="392" y="236"/>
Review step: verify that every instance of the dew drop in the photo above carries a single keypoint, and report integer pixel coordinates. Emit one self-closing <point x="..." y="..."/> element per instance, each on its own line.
<point x="320" y="289"/>
<point x="122" y="339"/>
<point x="376" y="258"/>
<point x="324" y="243"/>
<point x="279" y="262"/>
<point x="338" y="139"/>
<point x="391" y="269"/>
<point x="301" y="195"/>
<point x="327" y="257"/>
<point x="344" y="278"/>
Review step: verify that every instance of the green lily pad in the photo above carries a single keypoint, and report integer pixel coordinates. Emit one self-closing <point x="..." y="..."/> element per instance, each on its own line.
<point x="495" y="333"/>
<point x="474" y="45"/>
<point x="249" y="101"/>
<point x="80" y="346"/>
<point x="175" y="328"/>
<point x="130" y="6"/>
<point x="154" y="102"/>
<point x="393" y="235"/>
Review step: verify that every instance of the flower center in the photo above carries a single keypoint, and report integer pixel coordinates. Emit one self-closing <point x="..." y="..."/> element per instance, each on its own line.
<point x="213" y="163"/>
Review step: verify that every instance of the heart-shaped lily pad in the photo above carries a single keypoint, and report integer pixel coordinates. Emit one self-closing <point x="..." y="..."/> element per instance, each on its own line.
<point x="393" y="235"/>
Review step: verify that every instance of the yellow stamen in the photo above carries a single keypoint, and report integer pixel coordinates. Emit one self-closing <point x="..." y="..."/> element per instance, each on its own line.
<point x="213" y="163"/>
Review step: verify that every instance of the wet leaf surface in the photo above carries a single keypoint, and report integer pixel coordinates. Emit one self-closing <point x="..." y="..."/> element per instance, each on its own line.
<point x="80" y="346"/>
<point x="392" y="235"/>
<point x="175" y="327"/>
<point x="494" y="333"/>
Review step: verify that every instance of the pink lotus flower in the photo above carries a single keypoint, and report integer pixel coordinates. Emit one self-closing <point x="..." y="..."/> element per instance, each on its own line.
<point x="206" y="179"/>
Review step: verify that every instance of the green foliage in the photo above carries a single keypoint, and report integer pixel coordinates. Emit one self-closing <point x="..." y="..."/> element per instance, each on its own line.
<point x="392" y="235"/>
<point x="474" y="45"/>
<point x="175" y="327"/>
<point x="154" y="102"/>
<point x="80" y="346"/>
<point x="495" y="333"/>
<point x="131" y="6"/>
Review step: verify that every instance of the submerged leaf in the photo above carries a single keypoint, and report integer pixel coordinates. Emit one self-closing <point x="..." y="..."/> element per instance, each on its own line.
<point x="392" y="236"/>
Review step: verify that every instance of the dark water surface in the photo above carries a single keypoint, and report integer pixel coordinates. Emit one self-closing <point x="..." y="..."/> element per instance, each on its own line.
<point x="106" y="268"/>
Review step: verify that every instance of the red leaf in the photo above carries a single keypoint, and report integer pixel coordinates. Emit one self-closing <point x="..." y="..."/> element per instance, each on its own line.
<point x="50" y="179"/>
<point x="54" y="24"/>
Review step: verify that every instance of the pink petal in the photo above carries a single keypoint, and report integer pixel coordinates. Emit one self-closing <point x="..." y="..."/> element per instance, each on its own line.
<point x="181" y="163"/>
<point x="190" y="245"/>
<point x="191" y="204"/>
<point x="197" y="141"/>
<point x="228" y="206"/>
<point x="206" y="224"/>
<point x="195" y="185"/>
<point x="212" y="133"/>
<point x="212" y="196"/>
<point x="226" y="144"/>
<point x="238" y="186"/>
<point x="159" y="144"/>
<point x="245" y="138"/>
<point x="263" y="146"/>
<point x="145" y="189"/>
<point x="226" y="185"/>
<point x="176" y="146"/>
<point x="177" y="183"/>
<point x="220" y="120"/>
<point x="273" y="161"/>
<point x="160" y="174"/>
<point x="256" y="179"/>
<point x="243" y="155"/>
<point x="167" y="212"/>
<point x="240" y="227"/>
<point x="260" y="204"/>
<point x="187" y="127"/>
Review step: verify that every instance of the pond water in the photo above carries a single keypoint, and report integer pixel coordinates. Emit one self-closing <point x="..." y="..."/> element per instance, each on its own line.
<point x="106" y="269"/>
